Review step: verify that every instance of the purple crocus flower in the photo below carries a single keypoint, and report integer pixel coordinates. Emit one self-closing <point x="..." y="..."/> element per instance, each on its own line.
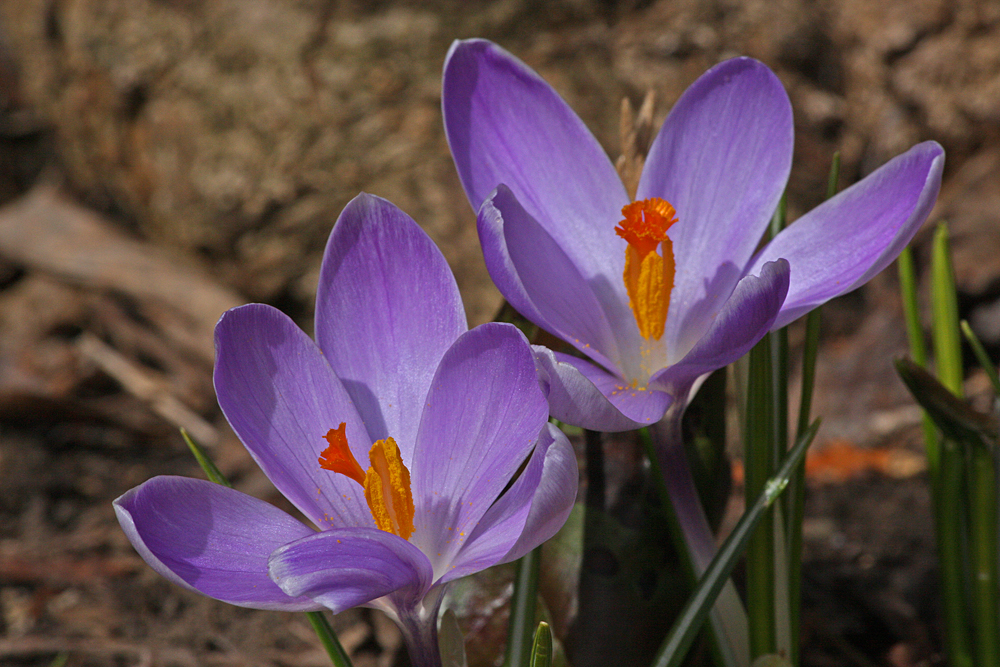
<point x="453" y="415"/>
<point x="677" y="290"/>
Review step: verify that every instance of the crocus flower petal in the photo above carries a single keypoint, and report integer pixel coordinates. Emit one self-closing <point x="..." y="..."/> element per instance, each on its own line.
<point x="281" y="397"/>
<point x="555" y="286"/>
<point x="346" y="567"/>
<point x="483" y="415"/>
<point x="506" y="125"/>
<point x="529" y="513"/>
<point x="211" y="539"/>
<point x="584" y="395"/>
<point x="842" y="243"/>
<point x="490" y="224"/>
<point x="722" y="159"/>
<point x="746" y="317"/>
<point x="387" y="308"/>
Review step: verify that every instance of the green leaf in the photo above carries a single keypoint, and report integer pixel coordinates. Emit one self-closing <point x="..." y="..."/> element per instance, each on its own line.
<point x="956" y="420"/>
<point x="541" y="650"/>
<point x="213" y="473"/>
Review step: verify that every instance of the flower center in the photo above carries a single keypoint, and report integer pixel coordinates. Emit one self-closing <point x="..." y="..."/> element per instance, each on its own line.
<point x="649" y="277"/>
<point x="386" y="483"/>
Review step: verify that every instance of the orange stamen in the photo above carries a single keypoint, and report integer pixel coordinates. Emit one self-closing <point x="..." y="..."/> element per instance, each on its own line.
<point x="338" y="457"/>
<point x="387" y="489"/>
<point x="386" y="483"/>
<point x="649" y="277"/>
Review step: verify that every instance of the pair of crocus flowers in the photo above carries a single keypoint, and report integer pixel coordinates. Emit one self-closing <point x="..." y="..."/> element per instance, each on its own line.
<point x="654" y="294"/>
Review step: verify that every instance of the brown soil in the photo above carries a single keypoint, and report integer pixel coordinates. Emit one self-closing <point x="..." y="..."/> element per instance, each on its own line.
<point x="184" y="157"/>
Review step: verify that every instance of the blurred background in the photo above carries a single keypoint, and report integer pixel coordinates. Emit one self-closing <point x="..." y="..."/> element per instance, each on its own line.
<point x="164" y="160"/>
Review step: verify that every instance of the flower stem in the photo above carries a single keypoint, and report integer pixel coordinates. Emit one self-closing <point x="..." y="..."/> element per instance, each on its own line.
<point x="693" y="537"/>
<point x="420" y="634"/>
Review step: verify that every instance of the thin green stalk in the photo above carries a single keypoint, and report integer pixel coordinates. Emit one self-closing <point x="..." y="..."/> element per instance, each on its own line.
<point x="779" y="217"/>
<point x="522" y="610"/>
<point x="677" y="643"/>
<point x="950" y="508"/>
<point x="911" y="308"/>
<point x="947" y="340"/>
<point x="211" y="471"/>
<point x="981" y="356"/>
<point x="327" y="637"/>
<point x="918" y="350"/>
<point x="983" y="527"/>
<point x="983" y="551"/>
<point x="758" y="464"/>
<point x="809" y="353"/>
<point x="951" y="487"/>
<point x="338" y="656"/>
<point x="785" y="627"/>
<point x="796" y="496"/>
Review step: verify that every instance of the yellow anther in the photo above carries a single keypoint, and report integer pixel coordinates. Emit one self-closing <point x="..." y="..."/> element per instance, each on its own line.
<point x="387" y="489"/>
<point x="648" y="277"/>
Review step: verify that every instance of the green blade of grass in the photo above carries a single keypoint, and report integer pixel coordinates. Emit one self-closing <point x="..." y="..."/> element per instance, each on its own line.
<point x="677" y="643"/>
<point x="327" y="637"/>
<point x="918" y="351"/>
<point x="211" y="471"/>
<point x="522" y="610"/>
<point x="758" y="465"/>
<point x="951" y="506"/>
<point x="947" y="341"/>
<point x="984" y="359"/>
<point x="983" y="519"/>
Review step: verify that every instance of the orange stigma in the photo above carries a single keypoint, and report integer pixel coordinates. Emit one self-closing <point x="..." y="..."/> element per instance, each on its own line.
<point x="386" y="483"/>
<point x="338" y="457"/>
<point x="648" y="277"/>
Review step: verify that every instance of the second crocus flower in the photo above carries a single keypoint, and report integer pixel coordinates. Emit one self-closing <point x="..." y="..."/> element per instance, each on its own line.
<point x="657" y="292"/>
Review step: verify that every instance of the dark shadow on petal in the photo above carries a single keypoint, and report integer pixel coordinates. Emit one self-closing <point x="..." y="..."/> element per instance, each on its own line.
<point x="368" y="407"/>
<point x="697" y="317"/>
